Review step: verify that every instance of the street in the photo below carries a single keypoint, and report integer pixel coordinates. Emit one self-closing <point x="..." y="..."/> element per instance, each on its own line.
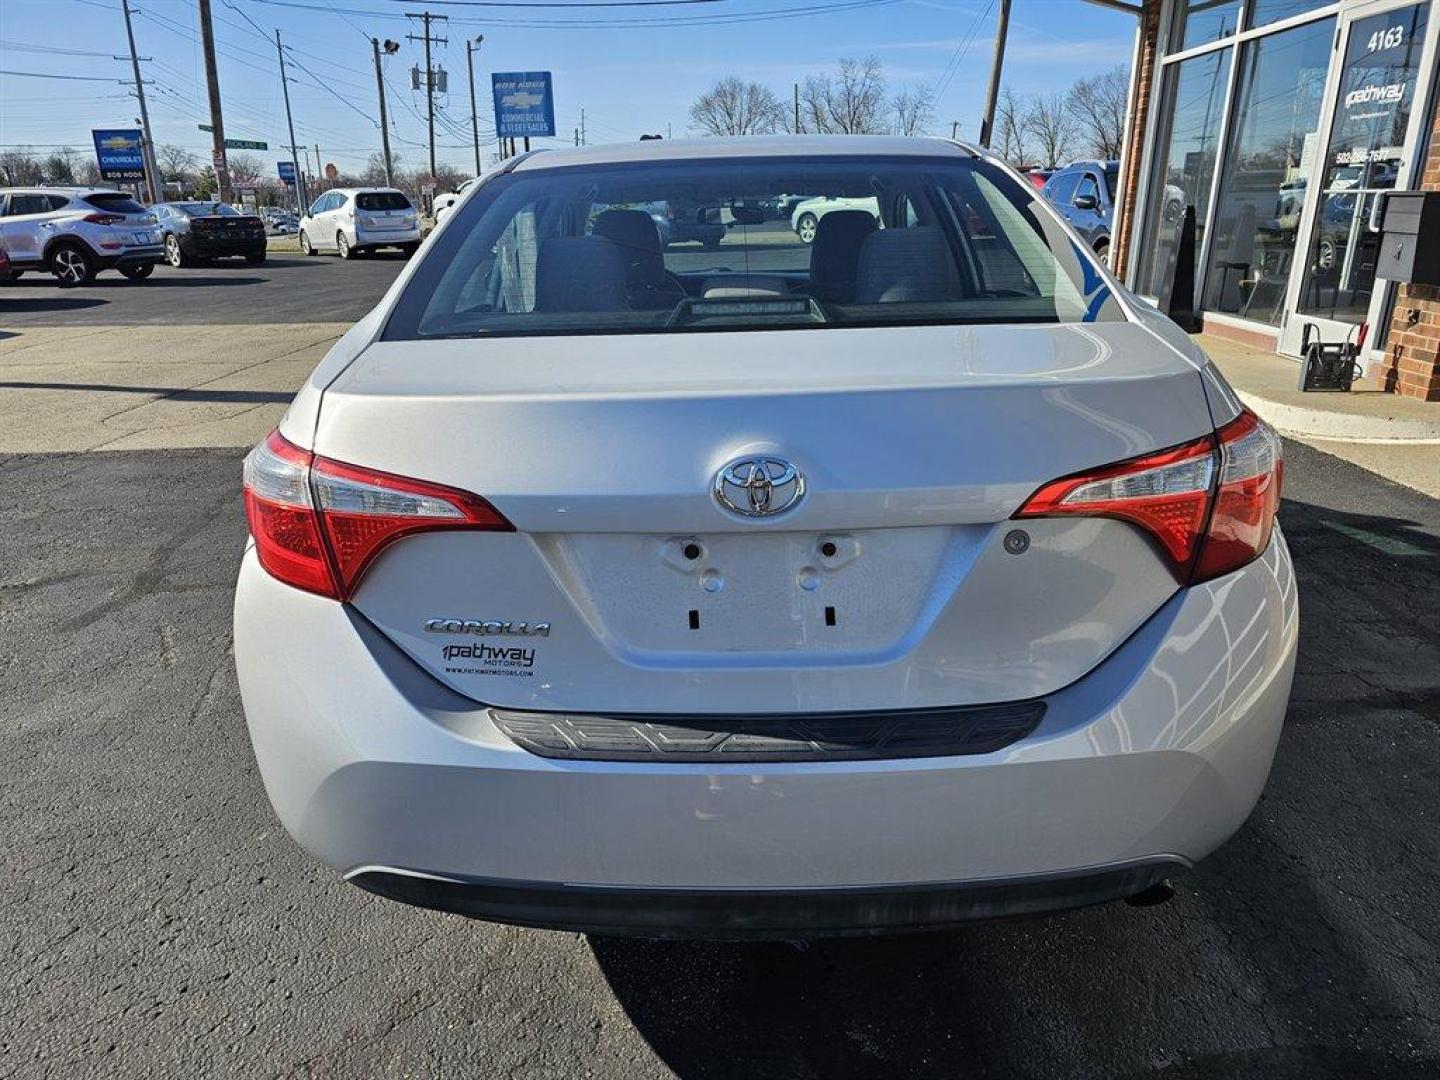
<point x="159" y="921"/>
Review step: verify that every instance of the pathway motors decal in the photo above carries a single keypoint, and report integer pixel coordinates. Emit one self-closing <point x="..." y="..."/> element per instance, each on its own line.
<point x="512" y="660"/>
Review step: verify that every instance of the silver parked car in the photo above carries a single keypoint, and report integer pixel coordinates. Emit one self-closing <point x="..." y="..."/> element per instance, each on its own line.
<point x="76" y="232"/>
<point x="914" y="575"/>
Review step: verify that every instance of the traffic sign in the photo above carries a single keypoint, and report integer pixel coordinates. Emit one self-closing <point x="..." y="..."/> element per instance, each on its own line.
<point x="524" y="103"/>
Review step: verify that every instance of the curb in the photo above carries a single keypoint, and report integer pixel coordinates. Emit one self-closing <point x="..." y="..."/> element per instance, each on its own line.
<point x="1299" y="421"/>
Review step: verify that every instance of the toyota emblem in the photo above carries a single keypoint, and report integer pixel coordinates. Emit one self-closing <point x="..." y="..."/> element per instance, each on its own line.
<point x="759" y="486"/>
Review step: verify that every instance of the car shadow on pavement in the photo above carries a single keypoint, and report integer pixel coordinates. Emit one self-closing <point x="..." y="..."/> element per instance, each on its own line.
<point x="169" y="393"/>
<point x="1316" y="923"/>
<point x="18" y="305"/>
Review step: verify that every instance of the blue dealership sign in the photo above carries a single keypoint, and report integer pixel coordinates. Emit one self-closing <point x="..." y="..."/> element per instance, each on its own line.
<point x="118" y="153"/>
<point x="524" y="103"/>
<point x="287" y="172"/>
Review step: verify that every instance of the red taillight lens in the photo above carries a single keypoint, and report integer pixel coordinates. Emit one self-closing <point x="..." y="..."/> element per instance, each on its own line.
<point x="104" y="219"/>
<point x="1167" y="494"/>
<point x="1251" y="471"/>
<point x="319" y="524"/>
<point x="1205" y="525"/>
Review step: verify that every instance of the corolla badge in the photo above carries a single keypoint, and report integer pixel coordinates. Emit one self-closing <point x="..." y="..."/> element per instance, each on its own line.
<point x="759" y="486"/>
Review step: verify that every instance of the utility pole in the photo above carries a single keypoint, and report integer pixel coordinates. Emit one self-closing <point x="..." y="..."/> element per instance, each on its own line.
<point x="301" y="202"/>
<point x="217" y="121"/>
<point x="474" y="113"/>
<point x="427" y="19"/>
<point x="391" y="47"/>
<point x="797" y="108"/>
<point x="583" y="141"/>
<point x="147" y="144"/>
<point x="954" y="130"/>
<point x="992" y="96"/>
<point x="319" y="186"/>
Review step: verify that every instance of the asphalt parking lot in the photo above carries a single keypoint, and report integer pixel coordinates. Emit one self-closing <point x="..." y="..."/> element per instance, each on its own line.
<point x="286" y="288"/>
<point x="158" y="922"/>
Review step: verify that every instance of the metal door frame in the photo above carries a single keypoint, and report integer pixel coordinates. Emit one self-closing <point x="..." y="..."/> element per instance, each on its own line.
<point x="1411" y="166"/>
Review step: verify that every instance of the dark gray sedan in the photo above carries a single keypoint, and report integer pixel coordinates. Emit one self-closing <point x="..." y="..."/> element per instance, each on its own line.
<point x="196" y="232"/>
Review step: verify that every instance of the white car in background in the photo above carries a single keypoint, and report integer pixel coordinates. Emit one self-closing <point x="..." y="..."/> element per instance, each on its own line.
<point x="807" y="214"/>
<point x="75" y="232"/>
<point x="446" y="202"/>
<point x="354" y="221"/>
<point x="594" y="586"/>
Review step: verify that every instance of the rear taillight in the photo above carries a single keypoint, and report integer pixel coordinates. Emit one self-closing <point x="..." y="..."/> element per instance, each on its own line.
<point x="104" y="219"/>
<point x="319" y="524"/>
<point x="1209" y="504"/>
<point x="1252" y="468"/>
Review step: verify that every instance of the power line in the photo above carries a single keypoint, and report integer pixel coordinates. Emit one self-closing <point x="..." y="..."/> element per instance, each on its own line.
<point x="21" y="46"/>
<point x="70" y="78"/>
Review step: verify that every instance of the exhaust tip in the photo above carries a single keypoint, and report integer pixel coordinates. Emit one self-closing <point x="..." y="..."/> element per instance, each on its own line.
<point x="1155" y="895"/>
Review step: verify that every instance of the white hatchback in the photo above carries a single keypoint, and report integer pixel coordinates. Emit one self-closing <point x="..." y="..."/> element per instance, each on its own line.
<point x="918" y="574"/>
<point x="353" y="221"/>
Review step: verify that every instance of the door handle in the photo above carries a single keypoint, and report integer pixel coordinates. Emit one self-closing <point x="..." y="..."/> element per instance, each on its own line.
<point x="1377" y="210"/>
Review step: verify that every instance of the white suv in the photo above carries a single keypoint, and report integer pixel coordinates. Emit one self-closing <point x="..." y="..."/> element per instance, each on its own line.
<point x="77" y="232"/>
<point x="355" y="220"/>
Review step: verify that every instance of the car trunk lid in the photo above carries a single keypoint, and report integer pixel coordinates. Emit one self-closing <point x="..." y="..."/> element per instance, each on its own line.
<point x="628" y="586"/>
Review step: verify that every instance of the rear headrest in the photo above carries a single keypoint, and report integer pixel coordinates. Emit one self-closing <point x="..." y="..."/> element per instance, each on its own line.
<point x="579" y="273"/>
<point x="638" y="238"/>
<point x="835" y="254"/>
<point x="913" y="265"/>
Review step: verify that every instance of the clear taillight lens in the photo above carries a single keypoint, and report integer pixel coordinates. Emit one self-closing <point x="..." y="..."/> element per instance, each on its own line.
<point x="1209" y="504"/>
<point x="320" y="524"/>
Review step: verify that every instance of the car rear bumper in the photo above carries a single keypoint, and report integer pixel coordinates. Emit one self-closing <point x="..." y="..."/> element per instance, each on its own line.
<point x="222" y="248"/>
<point x="386" y="237"/>
<point x="768" y="913"/>
<point x="1150" y="761"/>
<point x="130" y="257"/>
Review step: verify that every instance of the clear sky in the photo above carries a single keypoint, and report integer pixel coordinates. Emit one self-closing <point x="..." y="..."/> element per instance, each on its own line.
<point x="633" y="69"/>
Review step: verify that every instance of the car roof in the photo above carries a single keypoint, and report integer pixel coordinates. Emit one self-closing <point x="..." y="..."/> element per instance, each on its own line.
<point x="745" y="146"/>
<point x="74" y="191"/>
<point x="364" y="191"/>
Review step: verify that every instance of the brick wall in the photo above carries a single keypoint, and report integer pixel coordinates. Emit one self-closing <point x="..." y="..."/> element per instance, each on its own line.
<point x="1122" y="240"/>
<point x="1412" y="353"/>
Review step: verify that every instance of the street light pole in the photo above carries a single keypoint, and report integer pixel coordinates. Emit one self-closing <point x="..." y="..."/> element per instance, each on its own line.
<point x="217" y="121"/>
<point x="300" y="200"/>
<point x="1002" y="27"/>
<point x="474" y="113"/>
<point x="384" y="122"/>
<point x="147" y="144"/>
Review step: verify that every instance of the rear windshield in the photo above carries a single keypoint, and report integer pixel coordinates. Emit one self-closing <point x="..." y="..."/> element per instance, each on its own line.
<point x="207" y="209"/>
<point x="115" y="202"/>
<point x="750" y="244"/>
<point x="382" y="200"/>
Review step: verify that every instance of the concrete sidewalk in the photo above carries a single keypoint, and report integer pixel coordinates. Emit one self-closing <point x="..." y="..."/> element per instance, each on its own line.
<point x="151" y="387"/>
<point x="1396" y="437"/>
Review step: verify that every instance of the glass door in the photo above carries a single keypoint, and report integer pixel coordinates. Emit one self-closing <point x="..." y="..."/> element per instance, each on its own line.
<point x="1375" y="120"/>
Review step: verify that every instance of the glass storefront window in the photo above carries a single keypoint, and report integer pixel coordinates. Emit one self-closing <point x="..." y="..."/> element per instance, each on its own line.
<point x="1362" y="159"/>
<point x="1190" y="114"/>
<point x="1262" y="187"/>
<point x="1263" y="12"/>
<point x="1200" y="21"/>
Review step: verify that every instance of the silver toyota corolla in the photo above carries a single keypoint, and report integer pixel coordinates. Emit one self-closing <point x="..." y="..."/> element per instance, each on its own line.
<point x="916" y="574"/>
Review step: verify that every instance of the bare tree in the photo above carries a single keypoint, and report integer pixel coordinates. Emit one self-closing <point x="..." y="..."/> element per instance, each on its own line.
<point x="735" y="107"/>
<point x="19" y="165"/>
<point x="851" y="101"/>
<point x="914" y="109"/>
<point x="1010" y="128"/>
<point x="1049" y="122"/>
<point x="1098" y="107"/>
<point x="176" y="163"/>
<point x="246" y="170"/>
